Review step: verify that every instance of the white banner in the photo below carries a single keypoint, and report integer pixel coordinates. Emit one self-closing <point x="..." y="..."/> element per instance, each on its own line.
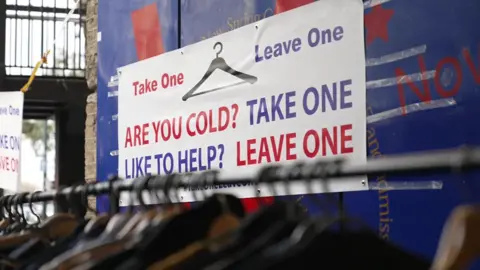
<point x="11" y="117"/>
<point x="287" y="88"/>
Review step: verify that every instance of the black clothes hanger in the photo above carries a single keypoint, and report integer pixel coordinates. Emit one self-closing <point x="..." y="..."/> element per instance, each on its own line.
<point x="97" y="225"/>
<point x="108" y="238"/>
<point x="350" y="247"/>
<point x="87" y="237"/>
<point x="112" y="261"/>
<point x="36" y="260"/>
<point x="32" y="246"/>
<point x="340" y="249"/>
<point x="192" y="225"/>
<point x="304" y="231"/>
<point x="38" y="246"/>
<point x="299" y="239"/>
<point x="347" y="250"/>
<point x="218" y="63"/>
<point x="116" y="221"/>
<point x="288" y="216"/>
<point x="259" y="230"/>
<point x="33" y="254"/>
<point x="118" y="259"/>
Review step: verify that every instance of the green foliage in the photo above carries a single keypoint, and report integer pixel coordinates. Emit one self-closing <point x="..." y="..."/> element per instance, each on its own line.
<point x="35" y="131"/>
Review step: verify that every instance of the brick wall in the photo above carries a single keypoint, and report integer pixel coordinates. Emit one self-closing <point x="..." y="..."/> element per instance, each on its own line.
<point x="91" y="109"/>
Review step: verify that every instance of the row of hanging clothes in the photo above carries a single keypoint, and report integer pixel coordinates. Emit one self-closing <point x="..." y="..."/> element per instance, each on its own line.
<point x="217" y="234"/>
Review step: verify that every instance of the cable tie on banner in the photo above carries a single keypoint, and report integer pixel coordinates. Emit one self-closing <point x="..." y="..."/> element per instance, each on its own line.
<point x="43" y="60"/>
<point x="406" y="185"/>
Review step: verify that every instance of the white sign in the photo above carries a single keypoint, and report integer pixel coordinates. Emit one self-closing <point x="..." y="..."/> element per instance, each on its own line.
<point x="287" y="88"/>
<point x="11" y="117"/>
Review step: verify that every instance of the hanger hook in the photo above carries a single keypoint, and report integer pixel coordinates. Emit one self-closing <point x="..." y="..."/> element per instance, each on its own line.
<point x="271" y="177"/>
<point x="56" y="198"/>
<point x="210" y="180"/>
<point x="154" y="189"/>
<point x="285" y="174"/>
<point x="335" y="168"/>
<point x="146" y="186"/>
<point x="159" y="186"/>
<point x="293" y="173"/>
<point x="114" y="194"/>
<point x="19" y="208"/>
<point x="266" y="176"/>
<point x="218" y="44"/>
<point x="69" y="196"/>
<point x="21" y="197"/>
<point x="160" y="183"/>
<point x="177" y="184"/>
<point x="14" y="207"/>
<point x="139" y="186"/>
<point x="11" y="205"/>
<point x="10" y="208"/>
<point x="193" y="184"/>
<point x="202" y="185"/>
<point x="77" y="209"/>
<point x="321" y="171"/>
<point x="130" y="199"/>
<point x="6" y="206"/>
<point x="16" y="202"/>
<point x="84" y="199"/>
<point x="2" y="206"/>
<point x="167" y="186"/>
<point x="167" y="189"/>
<point x="30" y="205"/>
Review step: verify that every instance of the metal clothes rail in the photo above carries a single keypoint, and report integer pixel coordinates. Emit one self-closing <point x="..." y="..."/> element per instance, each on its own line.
<point x="457" y="160"/>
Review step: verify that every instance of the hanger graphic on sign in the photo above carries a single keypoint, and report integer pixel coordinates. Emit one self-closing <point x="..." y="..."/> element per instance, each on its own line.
<point x="218" y="63"/>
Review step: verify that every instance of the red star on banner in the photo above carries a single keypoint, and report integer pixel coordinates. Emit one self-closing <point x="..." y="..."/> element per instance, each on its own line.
<point x="376" y="23"/>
